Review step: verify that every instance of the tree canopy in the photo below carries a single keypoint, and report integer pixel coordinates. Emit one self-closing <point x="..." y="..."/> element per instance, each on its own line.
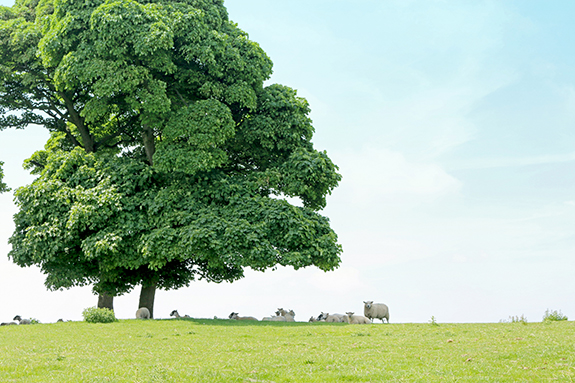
<point x="168" y="158"/>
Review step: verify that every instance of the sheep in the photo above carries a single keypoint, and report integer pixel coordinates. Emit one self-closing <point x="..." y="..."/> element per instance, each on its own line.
<point x="276" y="318"/>
<point x="289" y="315"/>
<point x="143" y="313"/>
<point x="8" y="323"/>
<point x="175" y="313"/>
<point x="236" y="316"/>
<point x="334" y="318"/>
<point x="357" y="319"/>
<point x="375" y="310"/>
<point x="318" y="319"/>
<point x="20" y="320"/>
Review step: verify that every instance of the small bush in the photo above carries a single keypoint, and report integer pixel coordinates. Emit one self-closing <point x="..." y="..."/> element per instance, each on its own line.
<point x="517" y="319"/>
<point x="96" y="315"/>
<point x="552" y="316"/>
<point x="433" y="321"/>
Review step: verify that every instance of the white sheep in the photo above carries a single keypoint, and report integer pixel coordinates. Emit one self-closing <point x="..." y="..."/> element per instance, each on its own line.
<point x="357" y="319"/>
<point x="277" y="318"/>
<point x="289" y="315"/>
<point x="175" y="313"/>
<point x="375" y="310"/>
<point x="143" y="313"/>
<point x="20" y="320"/>
<point x="236" y="316"/>
<point x="333" y="318"/>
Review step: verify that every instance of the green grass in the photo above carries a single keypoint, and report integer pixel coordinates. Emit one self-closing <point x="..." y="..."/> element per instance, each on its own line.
<point x="230" y="351"/>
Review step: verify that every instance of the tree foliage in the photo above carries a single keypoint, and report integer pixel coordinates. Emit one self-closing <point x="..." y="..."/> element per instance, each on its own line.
<point x="168" y="156"/>
<point x="3" y="186"/>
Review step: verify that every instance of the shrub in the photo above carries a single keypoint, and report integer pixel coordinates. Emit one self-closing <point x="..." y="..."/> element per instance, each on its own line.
<point x="96" y="315"/>
<point x="552" y="316"/>
<point x="518" y="319"/>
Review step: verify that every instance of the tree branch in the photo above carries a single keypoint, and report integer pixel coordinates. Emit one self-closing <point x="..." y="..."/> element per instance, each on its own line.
<point x="78" y="120"/>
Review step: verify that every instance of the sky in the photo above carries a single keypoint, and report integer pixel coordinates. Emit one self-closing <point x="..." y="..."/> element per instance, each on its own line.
<point x="452" y="125"/>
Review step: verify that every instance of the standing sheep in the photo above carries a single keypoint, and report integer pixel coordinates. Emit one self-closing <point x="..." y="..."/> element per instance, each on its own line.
<point x="357" y="319"/>
<point x="143" y="313"/>
<point x="375" y="310"/>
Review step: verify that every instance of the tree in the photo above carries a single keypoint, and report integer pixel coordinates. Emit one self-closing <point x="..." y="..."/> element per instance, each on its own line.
<point x="168" y="157"/>
<point x="3" y="186"/>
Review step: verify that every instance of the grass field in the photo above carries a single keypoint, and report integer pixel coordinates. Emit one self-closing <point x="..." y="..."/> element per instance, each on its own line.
<point x="229" y="351"/>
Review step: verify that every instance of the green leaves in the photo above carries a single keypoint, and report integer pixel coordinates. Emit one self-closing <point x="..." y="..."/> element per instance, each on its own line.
<point x="193" y="138"/>
<point x="3" y="186"/>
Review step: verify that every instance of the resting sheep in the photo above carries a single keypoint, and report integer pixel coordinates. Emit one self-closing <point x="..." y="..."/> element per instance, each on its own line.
<point x="8" y="323"/>
<point x="143" y="313"/>
<point x="277" y="318"/>
<point x="375" y="310"/>
<point x="175" y="313"/>
<point x="289" y="315"/>
<point x="20" y="320"/>
<point x="333" y="318"/>
<point x="357" y="319"/>
<point x="236" y="316"/>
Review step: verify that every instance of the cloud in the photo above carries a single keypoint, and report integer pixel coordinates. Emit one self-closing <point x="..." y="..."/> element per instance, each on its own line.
<point x="373" y="173"/>
<point x="502" y="162"/>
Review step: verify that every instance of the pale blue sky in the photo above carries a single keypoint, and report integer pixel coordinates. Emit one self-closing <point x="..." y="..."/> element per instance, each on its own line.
<point x="452" y="123"/>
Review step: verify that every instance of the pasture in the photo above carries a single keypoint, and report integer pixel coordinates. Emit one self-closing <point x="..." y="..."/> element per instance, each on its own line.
<point x="202" y="350"/>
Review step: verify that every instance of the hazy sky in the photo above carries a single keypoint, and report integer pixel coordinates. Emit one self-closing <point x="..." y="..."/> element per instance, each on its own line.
<point x="453" y="127"/>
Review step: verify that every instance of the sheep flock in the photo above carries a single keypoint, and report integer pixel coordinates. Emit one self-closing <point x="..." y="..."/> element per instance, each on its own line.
<point x="371" y="311"/>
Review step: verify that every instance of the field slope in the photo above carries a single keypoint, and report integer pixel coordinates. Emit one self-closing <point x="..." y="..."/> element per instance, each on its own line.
<point x="227" y="351"/>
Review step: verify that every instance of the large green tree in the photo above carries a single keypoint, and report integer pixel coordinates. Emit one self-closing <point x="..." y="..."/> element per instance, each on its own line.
<point x="168" y="157"/>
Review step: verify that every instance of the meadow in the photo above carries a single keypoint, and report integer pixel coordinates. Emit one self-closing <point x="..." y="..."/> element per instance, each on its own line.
<point x="203" y="350"/>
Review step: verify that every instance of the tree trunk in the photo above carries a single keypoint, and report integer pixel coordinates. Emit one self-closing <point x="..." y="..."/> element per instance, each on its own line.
<point x="147" y="298"/>
<point x="106" y="301"/>
<point x="149" y="143"/>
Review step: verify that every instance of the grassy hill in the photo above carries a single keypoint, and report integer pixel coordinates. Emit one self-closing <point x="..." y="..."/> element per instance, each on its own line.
<point x="199" y="350"/>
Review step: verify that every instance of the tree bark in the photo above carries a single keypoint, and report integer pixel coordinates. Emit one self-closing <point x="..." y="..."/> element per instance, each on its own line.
<point x="149" y="143"/>
<point x="78" y="120"/>
<point x="147" y="298"/>
<point x="106" y="301"/>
